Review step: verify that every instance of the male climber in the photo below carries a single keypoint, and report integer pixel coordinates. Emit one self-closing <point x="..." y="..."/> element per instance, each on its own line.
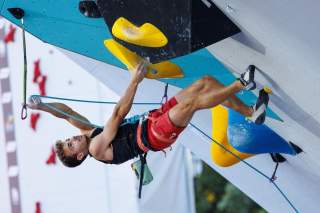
<point x="123" y="139"/>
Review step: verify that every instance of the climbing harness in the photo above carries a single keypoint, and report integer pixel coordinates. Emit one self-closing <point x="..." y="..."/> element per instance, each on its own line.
<point x="144" y="176"/>
<point x="141" y="140"/>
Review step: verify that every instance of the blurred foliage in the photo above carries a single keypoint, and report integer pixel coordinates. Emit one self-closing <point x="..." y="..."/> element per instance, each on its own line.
<point x="216" y="194"/>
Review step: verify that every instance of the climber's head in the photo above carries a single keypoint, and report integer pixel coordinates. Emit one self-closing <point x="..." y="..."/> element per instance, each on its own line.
<point x="73" y="151"/>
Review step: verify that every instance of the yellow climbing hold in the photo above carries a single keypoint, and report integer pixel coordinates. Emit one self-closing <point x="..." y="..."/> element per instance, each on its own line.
<point x="219" y="133"/>
<point x="127" y="57"/>
<point x="164" y="69"/>
<point x="146" y="35"/>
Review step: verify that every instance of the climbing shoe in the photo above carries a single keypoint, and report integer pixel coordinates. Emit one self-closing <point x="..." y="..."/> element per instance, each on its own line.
<point x="247" y="78"/>
<point x="259" y="109"/>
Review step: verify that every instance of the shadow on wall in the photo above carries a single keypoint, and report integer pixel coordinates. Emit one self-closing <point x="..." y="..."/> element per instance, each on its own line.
<point x="291" y="109"/>
<point x="248" y="40"/>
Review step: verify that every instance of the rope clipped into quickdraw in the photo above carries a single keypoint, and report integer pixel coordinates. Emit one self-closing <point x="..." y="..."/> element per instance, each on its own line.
<point x="24" y="112"/>
<point x="143" y="163"/>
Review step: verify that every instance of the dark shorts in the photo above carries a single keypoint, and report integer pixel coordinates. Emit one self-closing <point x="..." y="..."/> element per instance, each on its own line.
<point x="161" y="131"/>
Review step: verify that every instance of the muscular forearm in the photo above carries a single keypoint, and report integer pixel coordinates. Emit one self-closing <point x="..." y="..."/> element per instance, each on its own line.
<point x="125" y="103"/>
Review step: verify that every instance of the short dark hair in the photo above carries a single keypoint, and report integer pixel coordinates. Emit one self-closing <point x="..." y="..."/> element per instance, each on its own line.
<point x="68" y="161"/>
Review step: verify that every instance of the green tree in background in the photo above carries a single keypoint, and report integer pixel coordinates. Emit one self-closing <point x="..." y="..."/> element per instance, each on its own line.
<point x="216" y="194"/>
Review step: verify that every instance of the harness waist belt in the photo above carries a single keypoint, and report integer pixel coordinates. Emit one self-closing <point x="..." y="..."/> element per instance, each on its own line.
<point x="141" y="139"/>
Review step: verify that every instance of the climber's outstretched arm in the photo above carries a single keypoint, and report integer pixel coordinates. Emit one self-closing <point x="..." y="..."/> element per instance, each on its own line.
<point x="36" y="104"/>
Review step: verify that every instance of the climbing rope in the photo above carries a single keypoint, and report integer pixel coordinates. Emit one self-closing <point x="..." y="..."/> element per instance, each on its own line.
<point x="191" y="124"/>
<point x="84" y="101"/>
<point x="90" y="101"/>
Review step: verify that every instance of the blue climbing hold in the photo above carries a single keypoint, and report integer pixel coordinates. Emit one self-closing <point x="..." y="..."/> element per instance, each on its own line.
<point x="248" y="137"/>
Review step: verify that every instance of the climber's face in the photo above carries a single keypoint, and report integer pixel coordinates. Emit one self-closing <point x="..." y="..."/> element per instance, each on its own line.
<point x="76" y="145"/>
